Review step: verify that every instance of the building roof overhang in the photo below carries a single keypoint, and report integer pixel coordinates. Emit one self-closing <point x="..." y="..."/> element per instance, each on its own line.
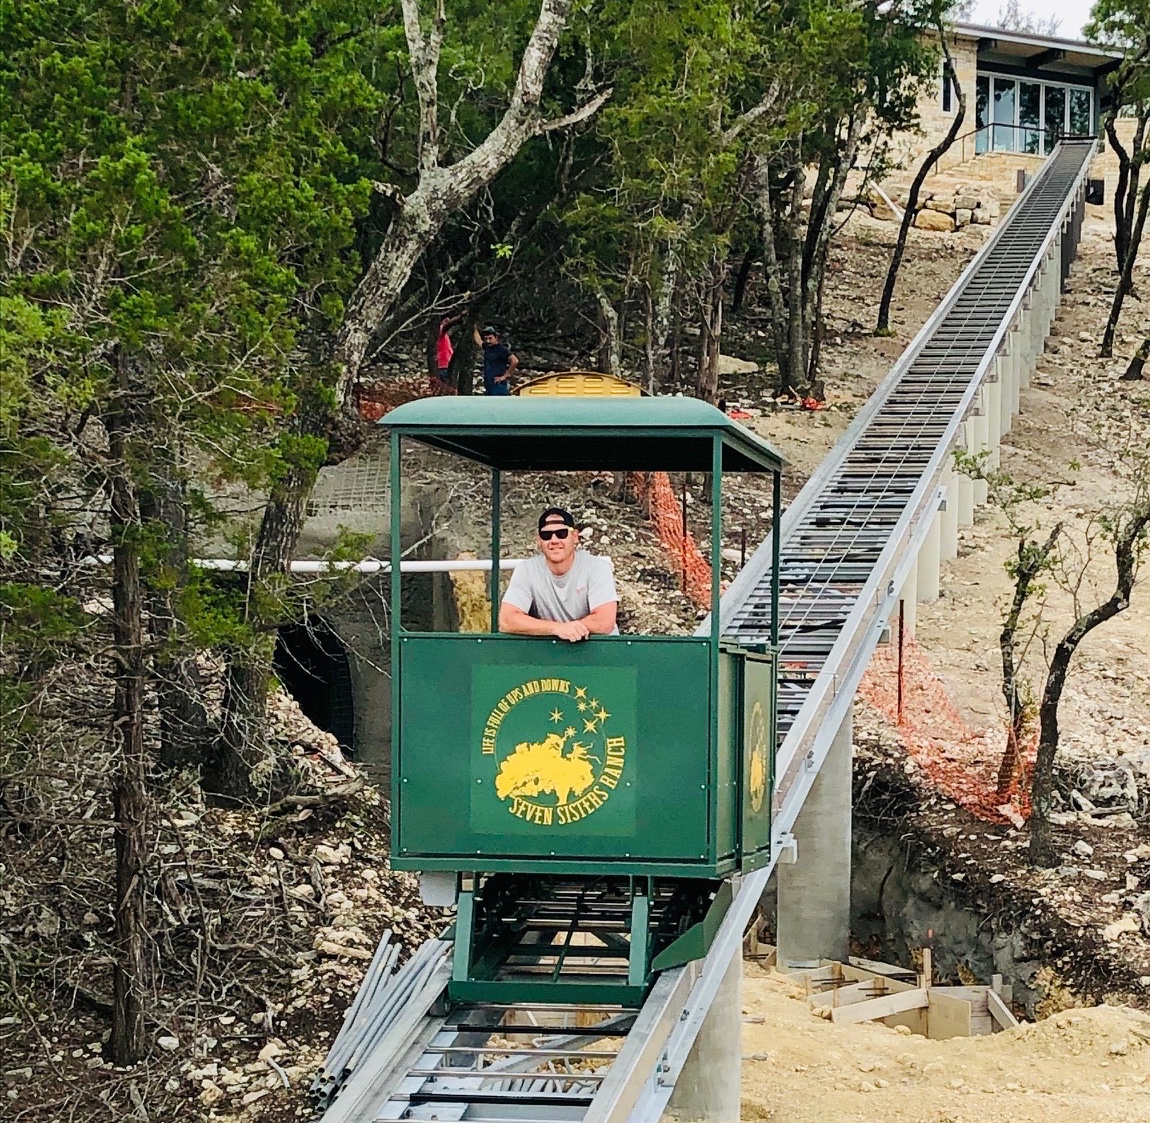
<point x="1038" y="51"/>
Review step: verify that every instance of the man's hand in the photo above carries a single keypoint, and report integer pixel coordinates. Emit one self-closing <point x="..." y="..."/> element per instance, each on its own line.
<point x="572" y="630"/>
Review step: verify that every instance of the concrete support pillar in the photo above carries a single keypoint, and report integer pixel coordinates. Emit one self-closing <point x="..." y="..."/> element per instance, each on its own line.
<point x="1018" y="372"/>
<point x="979" y="424"/>
<point x="964" y="483"/>
<point x="710" y="1086"/>
<point x="928" y="562"/>
<point x="814" y="893"/>
<point x="992" y="399"/>
<point x="948" y="541"/>
<point x="1006" y="367"/>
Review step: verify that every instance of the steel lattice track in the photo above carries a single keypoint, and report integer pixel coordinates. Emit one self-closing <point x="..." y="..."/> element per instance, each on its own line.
<point x="828" y="554"/>
<point x="845" y="532"/>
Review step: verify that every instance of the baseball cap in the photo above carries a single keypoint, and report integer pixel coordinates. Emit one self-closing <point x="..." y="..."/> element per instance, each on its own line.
<point x="489" y="330"/>
<point x="553" y="513"/>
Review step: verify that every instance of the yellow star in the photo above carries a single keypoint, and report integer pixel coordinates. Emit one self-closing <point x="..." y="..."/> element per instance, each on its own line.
<point x="582" y="705"/>
<point x="580" y="692"/>
<point x="594" y="702"/>
<point x="556" y="716"/>
<point x="569" y="731"/>
<point x="589" y="727"/>
<point x="602" y="715"/>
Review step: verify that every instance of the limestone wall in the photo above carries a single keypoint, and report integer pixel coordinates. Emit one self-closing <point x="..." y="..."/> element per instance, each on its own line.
<point x="910" y="147"/>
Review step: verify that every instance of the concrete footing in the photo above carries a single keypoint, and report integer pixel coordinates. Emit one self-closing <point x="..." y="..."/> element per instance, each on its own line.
<point x="814" y="893"/>
<point x="710" y="1085"/>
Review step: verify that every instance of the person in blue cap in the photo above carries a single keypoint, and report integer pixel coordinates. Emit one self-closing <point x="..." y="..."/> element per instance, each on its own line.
<point x="498" y="362"/>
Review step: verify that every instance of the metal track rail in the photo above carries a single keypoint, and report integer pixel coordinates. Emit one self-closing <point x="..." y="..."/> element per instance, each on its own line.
<point x="842" y="540"/>
<point x="847" y="543"/>
<point x="851" y="537"/>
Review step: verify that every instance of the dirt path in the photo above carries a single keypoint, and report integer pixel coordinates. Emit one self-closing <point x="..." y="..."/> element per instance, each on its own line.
<point x="1079" y="1065"/>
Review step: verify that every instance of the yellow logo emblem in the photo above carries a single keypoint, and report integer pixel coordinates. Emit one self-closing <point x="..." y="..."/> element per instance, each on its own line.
<point x="573" y="767"/>
<point x="757" y="741"/>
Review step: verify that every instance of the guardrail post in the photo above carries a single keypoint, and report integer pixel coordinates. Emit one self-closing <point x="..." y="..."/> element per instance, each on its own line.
<point x="814" y="894"/>
<point x="710" y="1086"/>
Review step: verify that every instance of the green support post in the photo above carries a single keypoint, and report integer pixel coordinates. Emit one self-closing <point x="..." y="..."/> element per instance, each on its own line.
<point x="464" y="930"/>
<point x="495" y="547"/>
<point x="639" y="961"/>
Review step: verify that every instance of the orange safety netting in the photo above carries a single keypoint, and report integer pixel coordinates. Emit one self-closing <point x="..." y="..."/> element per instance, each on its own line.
<point x="962" y="764"/>
<point x="667" y="515"/>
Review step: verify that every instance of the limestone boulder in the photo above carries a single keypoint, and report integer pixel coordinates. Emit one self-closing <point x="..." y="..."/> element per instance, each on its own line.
<point x="962" y="217"/>
<point x="943" y="204"/>
<point x="881" y="209"/>
<point x="981" y="218"/>
<point x="966" y="202"/>
<point x="728" y="364"/>
<point x="933" y="220"/>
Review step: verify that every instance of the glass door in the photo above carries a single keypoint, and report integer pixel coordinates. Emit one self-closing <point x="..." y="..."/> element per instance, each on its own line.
<point x="1080" y="116"/>
<point x="1029" y="116"/>
<point x="1053" y="116"/>
<point x="1005" y="106"/>
<point x="981" y="112"/>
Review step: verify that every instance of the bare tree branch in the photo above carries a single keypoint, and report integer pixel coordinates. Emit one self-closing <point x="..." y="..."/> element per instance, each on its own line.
<point x="579" y="113"/>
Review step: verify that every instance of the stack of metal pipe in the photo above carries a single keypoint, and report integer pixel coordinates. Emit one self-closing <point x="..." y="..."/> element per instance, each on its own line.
<point x="381" y="996"/>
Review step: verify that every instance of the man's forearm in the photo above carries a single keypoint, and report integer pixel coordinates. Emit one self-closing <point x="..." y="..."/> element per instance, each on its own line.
<point x="601" y="621"/>
<point x="516" y="622"/>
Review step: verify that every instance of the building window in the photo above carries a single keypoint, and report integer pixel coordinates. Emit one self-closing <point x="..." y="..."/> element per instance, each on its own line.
<point x="981" y="102"/>
<point x="949" y="101"/>
<point x="1013" y="115"/>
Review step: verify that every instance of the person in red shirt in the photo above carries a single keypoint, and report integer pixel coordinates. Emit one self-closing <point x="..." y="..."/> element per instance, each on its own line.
<point x="443" y="352"/>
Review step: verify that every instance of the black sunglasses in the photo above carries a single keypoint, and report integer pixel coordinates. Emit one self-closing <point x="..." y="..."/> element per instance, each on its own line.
<point x="559" y="533"/>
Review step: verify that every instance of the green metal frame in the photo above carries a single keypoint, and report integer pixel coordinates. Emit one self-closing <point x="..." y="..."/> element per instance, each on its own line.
<point x="737" y="837"/>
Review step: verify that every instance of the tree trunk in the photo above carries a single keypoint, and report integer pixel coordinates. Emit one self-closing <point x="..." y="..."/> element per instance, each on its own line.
<point x="665" y="302"/>
<point x="1127" y="538"/>
<point x="463" y="360"/>
<point x="742" y="277"/>
<point x="1126" y="191"/>
<point x="1032" y="560"/>
<point x="932" y="158"/>
<point x="711" y="336"/>
<point x="241" y="744"/>
<point x="439" y="193"/>
<point x="649" y="363"/>
<point x="185" y="733"/>
<point x="610" y="345"/>
<point x="771" y="271"/>
<point x="1134" y="371"/>
<point x="128" y="1042"/>
<point x="1126" y="281"/>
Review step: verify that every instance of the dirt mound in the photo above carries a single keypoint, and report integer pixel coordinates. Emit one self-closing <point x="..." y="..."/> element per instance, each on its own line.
<point x="1081" y="1064"/>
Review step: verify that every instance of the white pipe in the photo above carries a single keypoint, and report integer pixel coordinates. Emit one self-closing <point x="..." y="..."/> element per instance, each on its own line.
<point x="888" y="200"/>
<point x="366" y="565"/>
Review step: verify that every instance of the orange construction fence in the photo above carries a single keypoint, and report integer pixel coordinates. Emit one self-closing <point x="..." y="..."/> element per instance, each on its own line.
<point x="962" y="764"/>
<point x="666" y="512"/>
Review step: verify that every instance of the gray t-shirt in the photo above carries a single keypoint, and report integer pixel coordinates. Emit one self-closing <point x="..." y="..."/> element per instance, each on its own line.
<point x="588" y="584"/>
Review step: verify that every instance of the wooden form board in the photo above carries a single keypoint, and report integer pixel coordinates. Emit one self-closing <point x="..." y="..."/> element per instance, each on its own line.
<point x="852" y="992"/>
